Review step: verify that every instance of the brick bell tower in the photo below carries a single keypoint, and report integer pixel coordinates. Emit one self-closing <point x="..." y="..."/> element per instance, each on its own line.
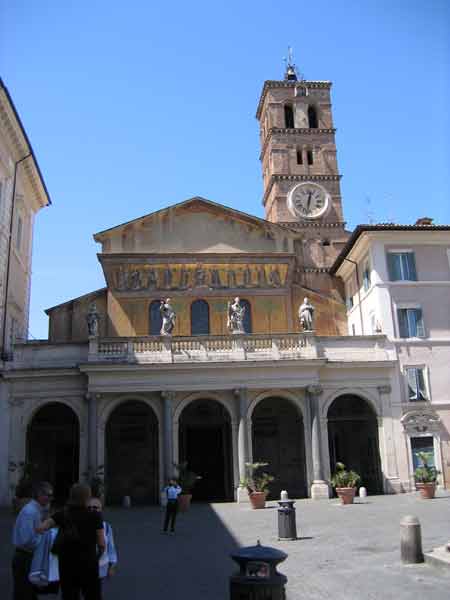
<point x="298" y="152"/>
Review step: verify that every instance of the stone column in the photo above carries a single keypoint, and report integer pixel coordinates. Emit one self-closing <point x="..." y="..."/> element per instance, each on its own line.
<point x="386" y="436"/>
<point x="319" y="487"/>
<point x="92" y="433"/>
<point x="242" y="405"/>
<point x="167" y="399"/>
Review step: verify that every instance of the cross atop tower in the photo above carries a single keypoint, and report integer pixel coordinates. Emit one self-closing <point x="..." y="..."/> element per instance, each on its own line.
<point x="291" y="73"/>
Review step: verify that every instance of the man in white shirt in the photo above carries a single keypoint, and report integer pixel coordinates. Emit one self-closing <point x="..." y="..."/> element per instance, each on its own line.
<point x="172" y="490"/>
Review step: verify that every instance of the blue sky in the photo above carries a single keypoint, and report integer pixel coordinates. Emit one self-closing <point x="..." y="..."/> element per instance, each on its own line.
<point x="134" y="106"/>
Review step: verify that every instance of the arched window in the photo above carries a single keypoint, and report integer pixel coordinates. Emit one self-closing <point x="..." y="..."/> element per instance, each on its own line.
<point x="289" y="116"/>
<point x="200" y="317"/>
<point x="155" y="319"/>
<point x="312" y="117"/>
<point x="247" y="316"/>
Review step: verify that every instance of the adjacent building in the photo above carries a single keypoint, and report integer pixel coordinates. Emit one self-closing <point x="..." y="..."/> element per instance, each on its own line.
<point x="22" y="194"/>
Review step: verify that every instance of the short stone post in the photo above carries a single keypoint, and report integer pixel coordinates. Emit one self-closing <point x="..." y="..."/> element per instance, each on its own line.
<point x="410" y="540"/>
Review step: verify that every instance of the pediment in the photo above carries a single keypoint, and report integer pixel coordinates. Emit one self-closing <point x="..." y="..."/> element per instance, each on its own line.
<point x="195" y="226"/>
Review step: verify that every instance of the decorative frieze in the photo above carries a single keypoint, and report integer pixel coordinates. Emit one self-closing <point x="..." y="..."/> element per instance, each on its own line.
<point x="421" y="421"/>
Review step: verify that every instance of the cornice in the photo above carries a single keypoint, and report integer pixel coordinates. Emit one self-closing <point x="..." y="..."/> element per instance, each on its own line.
<point x="312" y="225"/>
<point x="292" y="131"/>
<point x="306" y="177"/>
<point x="270" y="83"/>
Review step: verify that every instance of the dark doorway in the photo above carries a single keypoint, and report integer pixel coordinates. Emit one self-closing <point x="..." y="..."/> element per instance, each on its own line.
<point x="353" y="440"/>
<point x="132" y="454"/>
<point x="205" y="443"/>
<point x="278" y="438"/>
<point x="53" y="448"/>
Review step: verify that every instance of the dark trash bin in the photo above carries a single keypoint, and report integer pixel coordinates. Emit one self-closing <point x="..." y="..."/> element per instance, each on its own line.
<point x="258" y="578"/>
<point x="287" y="526"/>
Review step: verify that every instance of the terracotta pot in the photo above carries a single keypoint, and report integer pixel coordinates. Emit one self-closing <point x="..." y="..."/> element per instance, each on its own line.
<point x="427" y="490"/>
<point x="184" y="502"/>
<point x="346" y="494"/>
<point x="257" y="499"/>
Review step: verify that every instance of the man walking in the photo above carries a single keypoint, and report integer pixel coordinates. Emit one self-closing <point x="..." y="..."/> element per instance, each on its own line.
<point x="25" y="539"/>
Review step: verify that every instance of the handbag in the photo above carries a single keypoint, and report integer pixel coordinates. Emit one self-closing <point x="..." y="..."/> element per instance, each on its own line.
<point x="67" y="536"/>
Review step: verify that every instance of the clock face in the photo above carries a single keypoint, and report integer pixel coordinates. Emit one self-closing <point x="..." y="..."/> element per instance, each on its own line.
<point x="308" y="200"/>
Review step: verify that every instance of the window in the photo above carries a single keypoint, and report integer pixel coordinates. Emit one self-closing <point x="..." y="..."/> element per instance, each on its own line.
<point x="415" y="377"/>
<point x="247" y="316"/>
<point x="200" y="317"/>
<point x="310" y="157"/>
<point x="312" y="117"/>
<point x="19" y="233"/>
<point x="155" y="318"/>
<point x="349" y="302"/>
<point x="288" y="116"/>
<point x="353" y="329"/>
<point x="366" y="275"/>
<point x="299" y="157"/>
<point x="422" y="444"/>
<point x="410" y="322"/>
<point x="402" y="266"/>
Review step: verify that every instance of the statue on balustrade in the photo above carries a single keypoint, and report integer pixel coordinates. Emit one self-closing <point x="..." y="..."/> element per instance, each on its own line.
<point x="168" y="317"/>
<point x="306" y="315"/>
<point x="92" y="319"/>
<point x="235" y="320"/>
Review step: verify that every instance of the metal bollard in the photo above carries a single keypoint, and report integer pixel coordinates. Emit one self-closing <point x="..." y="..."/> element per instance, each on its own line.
<point x="410" y="540"/>
<point x="287" y="526"/>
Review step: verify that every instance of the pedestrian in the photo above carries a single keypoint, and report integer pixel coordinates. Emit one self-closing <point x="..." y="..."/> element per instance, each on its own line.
<point x="26" y="539"/>
<point x="79" y="544"/>
<point x="172" y="491"/>
<point x="108" y="560"/>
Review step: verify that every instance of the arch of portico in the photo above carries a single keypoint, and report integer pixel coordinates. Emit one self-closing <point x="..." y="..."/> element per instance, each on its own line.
<point x="24" y="409"/>
<point x="353" y="435"/>
<point x="300" y="453"/>
<point x="106" y="405"/>
<point x="190" y="428"/>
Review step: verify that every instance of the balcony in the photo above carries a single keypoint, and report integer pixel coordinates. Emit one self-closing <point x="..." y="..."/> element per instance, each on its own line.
<point x="198" y="349"/>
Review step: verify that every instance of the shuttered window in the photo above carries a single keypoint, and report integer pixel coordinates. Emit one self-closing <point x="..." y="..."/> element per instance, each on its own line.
<point x="417" y="391"/>
<point x="410" y="322"/>
<point x="402" y="266"/>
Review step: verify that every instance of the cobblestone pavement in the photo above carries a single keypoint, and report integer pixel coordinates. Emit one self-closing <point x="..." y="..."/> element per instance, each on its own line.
<point x="345" y="552"/>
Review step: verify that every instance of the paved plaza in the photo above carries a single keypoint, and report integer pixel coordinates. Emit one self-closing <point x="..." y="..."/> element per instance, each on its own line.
<point x="347" y="552"/>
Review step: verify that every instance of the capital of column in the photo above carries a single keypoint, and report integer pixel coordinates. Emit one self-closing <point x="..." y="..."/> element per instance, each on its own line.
<point x="166" y="395"/>
<point x="239" y="392"/>
<point x="314" y="390"/>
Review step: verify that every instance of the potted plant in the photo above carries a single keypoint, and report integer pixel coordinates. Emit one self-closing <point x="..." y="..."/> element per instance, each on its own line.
<point x="426" y="476"/>
<point x="257" y="483"/>
<point x="187" y="480"/>
<point x="345" y="483"/>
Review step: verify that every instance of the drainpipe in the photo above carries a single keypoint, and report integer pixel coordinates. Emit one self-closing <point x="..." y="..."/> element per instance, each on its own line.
<point x="359" y="293"/>
<point x="4" y="354"/>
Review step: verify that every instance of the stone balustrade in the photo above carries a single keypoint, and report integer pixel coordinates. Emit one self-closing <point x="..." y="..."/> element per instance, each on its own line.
<point x="208" y="348"/>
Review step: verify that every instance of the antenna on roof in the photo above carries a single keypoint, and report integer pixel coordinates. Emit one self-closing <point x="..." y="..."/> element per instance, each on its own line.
<point x="370" y="217"/>
<point x="291" y="72"/>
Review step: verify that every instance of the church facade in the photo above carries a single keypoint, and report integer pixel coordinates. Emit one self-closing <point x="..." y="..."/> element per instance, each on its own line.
<point x="117" y="398"/>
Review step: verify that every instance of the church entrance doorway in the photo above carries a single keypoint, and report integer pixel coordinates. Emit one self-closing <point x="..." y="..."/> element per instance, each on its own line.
<point x="132" y="454"/>
<point x="53" y="448"/>
<point x="353" y="440"/>
<point x="205" y="444"/>
<point x="278" y="439"/>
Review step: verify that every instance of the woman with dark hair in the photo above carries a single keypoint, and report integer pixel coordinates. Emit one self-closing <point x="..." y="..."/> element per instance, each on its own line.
<point x="81" y="543"/>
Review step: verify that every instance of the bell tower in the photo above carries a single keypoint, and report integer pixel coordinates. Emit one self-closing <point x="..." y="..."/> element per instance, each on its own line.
<point x="298" y="152"/>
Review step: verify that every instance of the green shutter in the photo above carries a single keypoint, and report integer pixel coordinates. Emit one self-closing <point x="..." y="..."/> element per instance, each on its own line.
<point x="402" y="322"/>
<point x="411" y="273"/>
<point x="420" y="329"/>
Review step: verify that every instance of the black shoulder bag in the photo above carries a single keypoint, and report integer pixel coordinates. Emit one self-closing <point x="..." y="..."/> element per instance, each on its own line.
<point x="67" y="535"/>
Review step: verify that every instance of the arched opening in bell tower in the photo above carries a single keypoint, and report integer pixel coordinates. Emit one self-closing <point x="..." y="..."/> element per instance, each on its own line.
<point x="312" y="117"/>
<point x="288" y="116"/>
